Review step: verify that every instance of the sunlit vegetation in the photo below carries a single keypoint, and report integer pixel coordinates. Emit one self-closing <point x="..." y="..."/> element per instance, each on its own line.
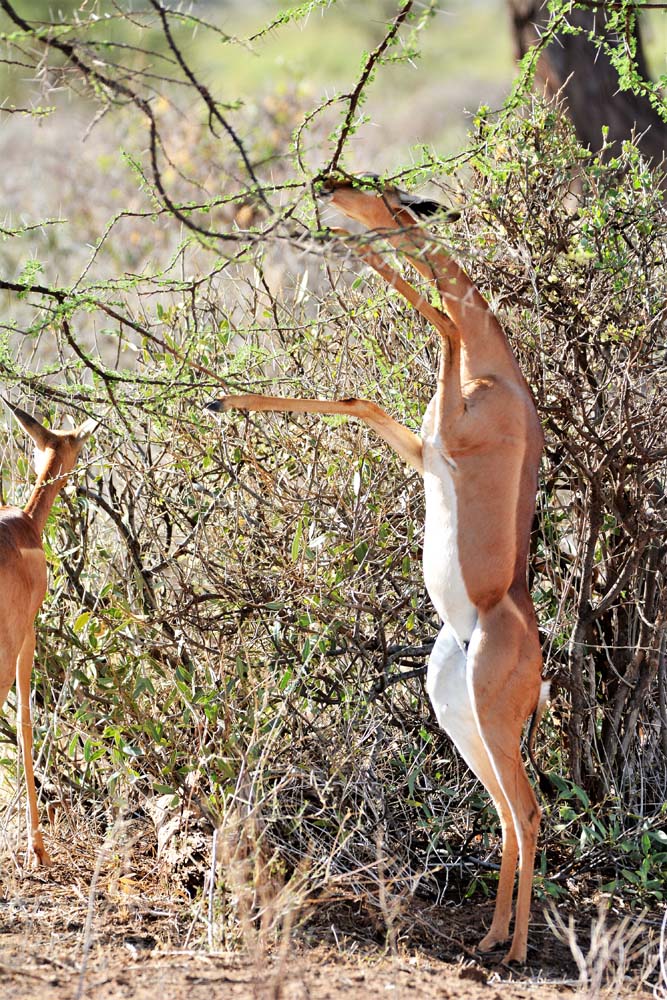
<point x="232" y="605"/>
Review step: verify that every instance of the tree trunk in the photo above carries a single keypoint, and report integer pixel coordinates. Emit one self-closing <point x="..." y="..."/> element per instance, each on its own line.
<point x="580" y="73"/>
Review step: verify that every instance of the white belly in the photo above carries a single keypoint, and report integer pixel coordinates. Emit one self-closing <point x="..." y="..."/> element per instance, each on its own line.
<point x="442" y="567"/>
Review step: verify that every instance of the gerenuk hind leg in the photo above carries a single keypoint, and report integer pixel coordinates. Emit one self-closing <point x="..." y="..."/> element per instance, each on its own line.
<point x="448" y="690"/>
<point x="504" y="685"/>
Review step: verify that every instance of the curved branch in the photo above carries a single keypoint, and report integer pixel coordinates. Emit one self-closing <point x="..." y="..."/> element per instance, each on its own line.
<point x="357" y="94"/>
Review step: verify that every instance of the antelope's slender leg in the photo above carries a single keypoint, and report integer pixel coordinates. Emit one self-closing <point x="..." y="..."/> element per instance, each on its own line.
<point x="447" y="689"/>
<point x="364" y="249"/>
<point x="23" y="674"/>
<point x="504" y="688"/>
<point x="406" y="444"/>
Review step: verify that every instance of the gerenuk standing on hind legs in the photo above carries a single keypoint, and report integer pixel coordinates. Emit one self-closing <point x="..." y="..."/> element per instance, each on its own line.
<point x="479" y="453"/>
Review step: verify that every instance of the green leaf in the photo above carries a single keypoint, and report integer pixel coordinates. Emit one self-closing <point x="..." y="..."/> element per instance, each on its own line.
<point x="81" y="622"/>
<point x="296" y="541"/>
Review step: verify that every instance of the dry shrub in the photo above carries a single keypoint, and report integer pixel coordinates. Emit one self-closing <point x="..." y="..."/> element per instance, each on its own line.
<point x="572" y="251"/>
<point x="230" y="607"/>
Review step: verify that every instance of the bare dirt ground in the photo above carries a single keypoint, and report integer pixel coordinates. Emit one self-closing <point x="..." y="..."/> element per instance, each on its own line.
<point x="134" y="938"/>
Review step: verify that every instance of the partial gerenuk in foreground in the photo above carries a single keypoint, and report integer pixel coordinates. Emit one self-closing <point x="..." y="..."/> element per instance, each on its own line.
<point x="23" y="583"/>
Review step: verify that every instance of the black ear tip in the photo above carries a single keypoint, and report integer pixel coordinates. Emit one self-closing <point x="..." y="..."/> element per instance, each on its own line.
<point x="425" y="208"/>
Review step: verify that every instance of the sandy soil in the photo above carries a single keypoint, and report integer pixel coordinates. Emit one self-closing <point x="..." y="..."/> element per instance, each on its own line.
<point x="134" y="938"/>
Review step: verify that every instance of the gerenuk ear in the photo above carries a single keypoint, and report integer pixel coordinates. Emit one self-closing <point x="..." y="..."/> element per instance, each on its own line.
<point x="40" y="435"/>
<point x="423" y="208"/>
<point x="86" y="429"/>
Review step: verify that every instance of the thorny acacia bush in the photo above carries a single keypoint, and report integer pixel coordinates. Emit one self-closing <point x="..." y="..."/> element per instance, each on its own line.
<point x="231" y="606"/>
<point x="227" y="604"/>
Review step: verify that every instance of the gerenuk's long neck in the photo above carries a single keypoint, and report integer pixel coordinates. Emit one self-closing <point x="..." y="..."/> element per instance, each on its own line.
<point x="49" y="484"/>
